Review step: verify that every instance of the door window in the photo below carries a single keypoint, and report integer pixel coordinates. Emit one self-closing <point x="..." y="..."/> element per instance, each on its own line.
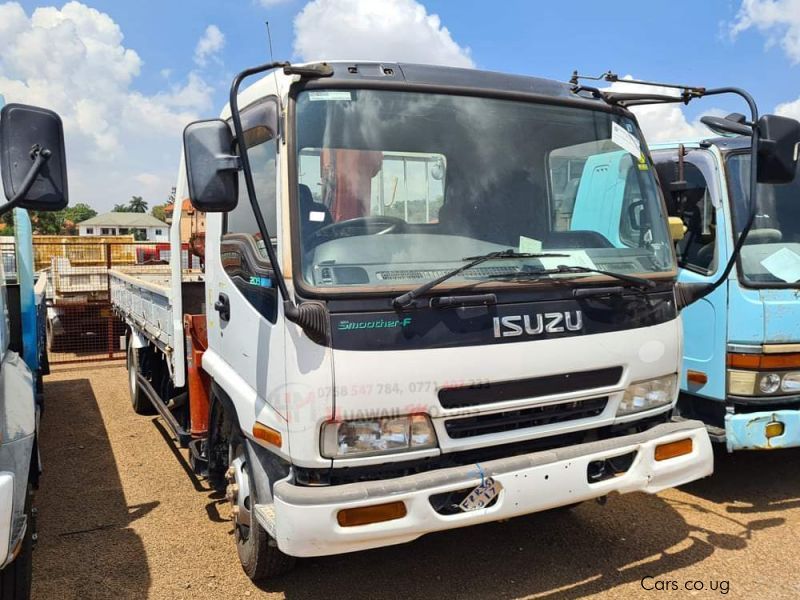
<point x="243" y="251"/>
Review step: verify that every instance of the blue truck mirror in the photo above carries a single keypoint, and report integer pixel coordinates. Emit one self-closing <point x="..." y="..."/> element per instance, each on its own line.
<point x="211" y="167"/>
<point x="32" y="158"/>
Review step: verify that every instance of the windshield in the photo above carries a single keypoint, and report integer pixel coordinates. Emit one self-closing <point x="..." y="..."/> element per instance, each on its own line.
<point x="771" y="252"/>
<point x="396" y="188"/>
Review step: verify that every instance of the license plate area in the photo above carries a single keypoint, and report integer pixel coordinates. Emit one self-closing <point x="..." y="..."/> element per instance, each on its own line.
<point x="449" y="503"/>
<point x="482" y="496"/>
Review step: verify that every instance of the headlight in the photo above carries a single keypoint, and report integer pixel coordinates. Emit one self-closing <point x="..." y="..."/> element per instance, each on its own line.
<point x="646" y="395"/>
<point x="763" y="383"/>
<point x="368" y="437"/>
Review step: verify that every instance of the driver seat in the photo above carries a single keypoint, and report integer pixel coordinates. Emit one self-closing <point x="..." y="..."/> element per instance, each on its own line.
<point x="313" y="215"/>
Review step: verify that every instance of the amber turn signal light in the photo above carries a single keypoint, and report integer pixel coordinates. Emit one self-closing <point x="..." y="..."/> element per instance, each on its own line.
<point x="673" y="449"/>
<point x="267" y="434"/>
<point x="773" y="429"/>
<point x="697" y="377"/>
<point x="364" y="515"/>
<point x="764" y="361"/>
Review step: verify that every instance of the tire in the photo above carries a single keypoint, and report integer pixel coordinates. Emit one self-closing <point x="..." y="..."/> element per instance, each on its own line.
<point x="258" y="552"/>
<point x="140" y="402"/>
<point x="15" y="579"/>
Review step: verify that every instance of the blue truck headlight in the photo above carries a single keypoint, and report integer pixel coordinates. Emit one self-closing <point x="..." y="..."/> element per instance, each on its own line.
<point x="368" y="437"/>
<point x="649" y="394"/>
<point x="763" y="383"/>
<point x="791" y="382"/>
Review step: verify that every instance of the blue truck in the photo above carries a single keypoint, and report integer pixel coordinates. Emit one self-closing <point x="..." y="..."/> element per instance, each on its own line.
<point x="33" y="171"/>
<point x="741" y="364"/>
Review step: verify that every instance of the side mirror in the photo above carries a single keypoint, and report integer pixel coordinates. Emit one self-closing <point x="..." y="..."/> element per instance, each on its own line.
<point x="211" y="167"/>
<point x="32" y="158"/>
<point x="730" y="125"/>
<point x="777" y="149"/>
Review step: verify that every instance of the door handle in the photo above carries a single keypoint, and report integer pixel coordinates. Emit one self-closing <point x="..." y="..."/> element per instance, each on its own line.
<point x="223" y="307"/>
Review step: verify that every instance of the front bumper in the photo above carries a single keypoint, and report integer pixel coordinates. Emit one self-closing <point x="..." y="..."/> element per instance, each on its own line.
<point x="748" y="431"/>
<point x="305" y="518"/>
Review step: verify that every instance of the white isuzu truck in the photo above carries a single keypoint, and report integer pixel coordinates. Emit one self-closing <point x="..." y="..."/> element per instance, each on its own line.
<point x="401" y="325"/>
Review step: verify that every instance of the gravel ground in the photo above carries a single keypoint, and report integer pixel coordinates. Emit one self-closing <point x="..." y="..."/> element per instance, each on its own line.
<point x="120" y="518"/>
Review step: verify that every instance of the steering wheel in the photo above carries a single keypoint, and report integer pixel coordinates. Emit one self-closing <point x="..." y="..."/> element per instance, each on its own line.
<point x="371" y="225"/>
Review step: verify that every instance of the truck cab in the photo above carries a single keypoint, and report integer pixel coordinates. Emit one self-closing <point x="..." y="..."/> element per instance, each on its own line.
<point x="741" y="360"/>
<point x="415" y="312"/>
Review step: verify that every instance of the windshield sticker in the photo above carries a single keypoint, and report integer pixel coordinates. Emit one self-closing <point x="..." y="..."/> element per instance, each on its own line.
<point x="330" y="95"/>
<point x="626" y="141"/>
<point x="317" y="216"/>
<point x="784" y="264"/>
<point x="529" y="245"/>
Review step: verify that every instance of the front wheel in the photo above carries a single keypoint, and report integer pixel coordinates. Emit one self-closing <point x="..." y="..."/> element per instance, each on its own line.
<point x="15" y="579"/>
<point x="258" y="552"/>
<point x="140" y="402"/>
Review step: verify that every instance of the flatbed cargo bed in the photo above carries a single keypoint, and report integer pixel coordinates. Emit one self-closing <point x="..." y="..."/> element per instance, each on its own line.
<point x="142" y="296"/>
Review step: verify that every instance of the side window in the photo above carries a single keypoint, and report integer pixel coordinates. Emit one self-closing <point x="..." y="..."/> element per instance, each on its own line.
<point x="695" y="206"/>
<point x="260" y="124"/>
<point x="244" y="254"/>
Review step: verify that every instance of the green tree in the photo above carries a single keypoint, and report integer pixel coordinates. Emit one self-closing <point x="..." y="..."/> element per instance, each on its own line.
<point x="121" y="208"/>
<point x="137" y="205"/>
<point x="79" y="212"/>
<point x="159" y="212"/>
<point x="47" y="223"/>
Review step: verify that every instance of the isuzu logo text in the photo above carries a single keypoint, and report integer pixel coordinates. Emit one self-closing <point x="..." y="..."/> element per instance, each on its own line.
<point x="555" y="322"/>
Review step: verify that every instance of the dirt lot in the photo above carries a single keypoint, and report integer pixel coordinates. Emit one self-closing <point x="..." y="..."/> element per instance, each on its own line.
<point x="120" y="518"/>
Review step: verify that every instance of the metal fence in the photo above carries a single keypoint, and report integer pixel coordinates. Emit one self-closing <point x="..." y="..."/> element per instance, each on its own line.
<point x="81" y="325"/>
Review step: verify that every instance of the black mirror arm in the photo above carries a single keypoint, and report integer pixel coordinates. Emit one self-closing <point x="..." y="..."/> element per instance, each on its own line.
<point x="691" y="292"/>
<point x="248" y="173"/>
<point x="40" y="157"/>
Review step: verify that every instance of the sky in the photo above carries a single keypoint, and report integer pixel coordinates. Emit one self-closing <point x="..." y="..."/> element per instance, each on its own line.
<point x="128" y="76"/>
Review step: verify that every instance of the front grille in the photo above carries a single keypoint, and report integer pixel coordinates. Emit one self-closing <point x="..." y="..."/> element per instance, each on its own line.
<point x="524" y="418"/>
<point x="535" y="387"/>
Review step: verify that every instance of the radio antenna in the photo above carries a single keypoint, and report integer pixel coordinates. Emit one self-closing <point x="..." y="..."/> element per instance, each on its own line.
<point x="274" y="72"/>
<point x="269" y="41"/>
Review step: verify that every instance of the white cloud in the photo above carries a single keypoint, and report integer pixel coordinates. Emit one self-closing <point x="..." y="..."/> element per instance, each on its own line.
<point x="779" y="20"/>
<point x="73" y="60"/>
<point x="389" y="30"/>
<point x="209" y="45"/>
<point x="789" y="109"/>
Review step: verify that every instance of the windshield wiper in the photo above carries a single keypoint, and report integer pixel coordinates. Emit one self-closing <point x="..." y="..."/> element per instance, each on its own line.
<point x="405" y="299"/>
<point x="640" y="282"/>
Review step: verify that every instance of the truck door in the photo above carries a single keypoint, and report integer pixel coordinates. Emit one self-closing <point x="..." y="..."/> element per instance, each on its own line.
<point x="243" y="300"/>
<point x="702" y="253"/>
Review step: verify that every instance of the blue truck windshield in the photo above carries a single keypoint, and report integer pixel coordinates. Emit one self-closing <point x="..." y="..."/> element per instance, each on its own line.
<point x="771" y="253"/>
<point x="395" y="188"/>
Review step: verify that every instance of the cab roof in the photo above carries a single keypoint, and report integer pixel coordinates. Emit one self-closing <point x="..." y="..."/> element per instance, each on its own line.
<point x="417" y="74"/>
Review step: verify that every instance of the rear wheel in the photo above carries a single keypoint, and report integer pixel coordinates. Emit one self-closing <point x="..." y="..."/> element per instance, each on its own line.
<point x="258" y="552"/>
<point x="15" y="579"/>
<point x="140" y="402"/>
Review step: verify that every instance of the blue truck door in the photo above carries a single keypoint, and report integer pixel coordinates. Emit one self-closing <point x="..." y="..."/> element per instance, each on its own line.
<point x="702" y="253"/>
